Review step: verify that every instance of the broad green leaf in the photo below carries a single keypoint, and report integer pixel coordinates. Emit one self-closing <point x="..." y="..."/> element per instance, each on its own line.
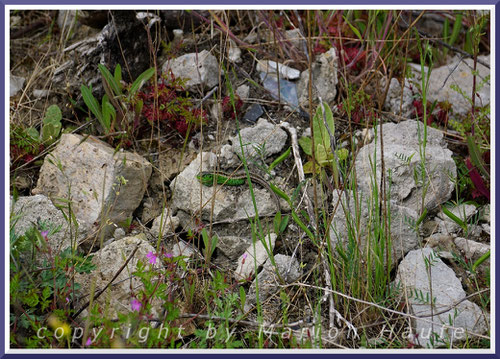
<point x="306" y="145"/>
<point x="284" y="223"/>
<point x="321" y="155"/>
<point x="91" y="102"/>
<point x="118" y="76"/>
<point x="140" y="81"/>
<point x="138" y="107"/>
<point x="110" y="80"/>
<point x="53" y="114"/>
<point x="321" y="135"/>
<point x="33" y="133"/>
<point x="308" y="167"/>
<point x="48" y="132"/>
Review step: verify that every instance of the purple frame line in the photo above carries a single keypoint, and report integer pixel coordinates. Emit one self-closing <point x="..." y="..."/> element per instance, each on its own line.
<point x="252" y="3"/>
<point x="199" y="2"/>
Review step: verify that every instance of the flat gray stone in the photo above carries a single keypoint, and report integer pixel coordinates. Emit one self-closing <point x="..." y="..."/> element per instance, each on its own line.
<point x="16" y="84"/>
<point x="264" y="135"/>
<point x="403" y="237"/>
<point x="199" y="69"/>
<point x="32" y="211"/>
<point x="324" y="78"/>
<point x="167" y="227"/>
<point x="284" y="71"/>
<point x="461" y="76"/>
<point x="402" y="161"/>
<point x="259" y="254"/>
<point x="108" y="261"/>
<point x="269" y="282"/>
<point x="103" y="186"/>
<point x="423" y="275"/>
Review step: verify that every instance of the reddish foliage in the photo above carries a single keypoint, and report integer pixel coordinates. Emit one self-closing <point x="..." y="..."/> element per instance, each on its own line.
<point x="480" y="187"/>
<point x="227" y="107"/>
<point x="440" y="118"/>
<point x="20" y="155"/>
<point x="319" y="49"/>
<point x="166" y="104"/>
<point x="418" y="108"/>
<point x="354" y="57"/>
<point x="279" y="22"/>
<point x="360" y="114"/>
<point x="486" y="157"/>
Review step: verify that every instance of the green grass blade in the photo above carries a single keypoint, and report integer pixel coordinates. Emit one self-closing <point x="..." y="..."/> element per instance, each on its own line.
<point x="481" y="260"/>
<point x="118" y="76"/>
<point x="280" y="159"/>
<point x="457" y="26"/>
<point x="110" y="80"/>
<point x="455" y="219"/>
<point x="91" y="102"/>
<point x="140" y="81"/>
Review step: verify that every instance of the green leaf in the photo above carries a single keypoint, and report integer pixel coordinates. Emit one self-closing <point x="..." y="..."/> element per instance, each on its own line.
<point x="280" y="159"/>
<point x="118" y="75"/>
<point x="277" y="222"/>
<point x="110" y="80"/>
<point x="279" y="192"/>
<point x="455" y="219"/>
<point x="140" y="81"/>
<point x="50" y="131"/>
<point x="356" y="31"/>
<point x="31" y="298"/>
<point x="46" y="293"/>
<point x="243" y="297"/>
<point x="108" y="111"/>
<point x="457" y="26"/>
<point x="321" y="135"/>
<point x="306" y="145"/>
<point x="91" y="102"/>
<point x="321" y="155"/>
<point x="33" y="133"/>
<point x="138" y="107"/>
<point x="421" y="218"/>
<point x="309" y="167"/>
<point x="481" y="260"/>
<point x="301" y="224"/>
<point x="284" y="223"/>
<point x="53" y="114"/>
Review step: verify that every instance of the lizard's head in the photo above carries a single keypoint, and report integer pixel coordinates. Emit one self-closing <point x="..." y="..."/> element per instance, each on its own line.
<point x="206" y="179"/>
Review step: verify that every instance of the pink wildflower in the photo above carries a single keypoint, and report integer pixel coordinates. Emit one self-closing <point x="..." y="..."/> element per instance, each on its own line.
<point x="136" y="305"/>
<point x="152" y="257"/>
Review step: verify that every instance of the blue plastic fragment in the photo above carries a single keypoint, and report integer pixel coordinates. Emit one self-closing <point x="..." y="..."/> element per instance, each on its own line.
<point x="287" y="89"/>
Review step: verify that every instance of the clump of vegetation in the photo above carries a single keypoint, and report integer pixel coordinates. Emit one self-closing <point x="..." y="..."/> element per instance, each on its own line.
<point x="166" y="104"/>
<point x="41" y="293"/>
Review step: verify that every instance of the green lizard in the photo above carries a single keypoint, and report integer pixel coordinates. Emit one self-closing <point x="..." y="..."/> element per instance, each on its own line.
<point x="207" y="178"/>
